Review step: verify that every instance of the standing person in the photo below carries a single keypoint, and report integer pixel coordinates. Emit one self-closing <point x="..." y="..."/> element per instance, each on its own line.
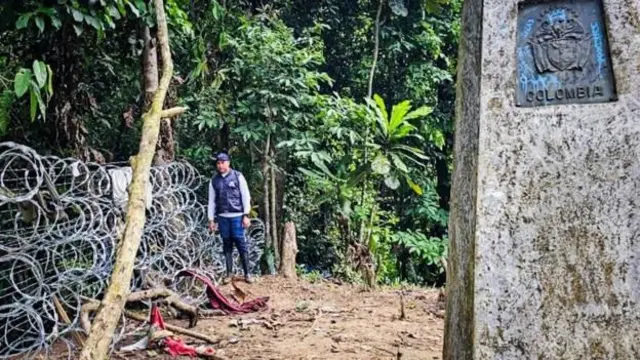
<point x="228" y="211"/>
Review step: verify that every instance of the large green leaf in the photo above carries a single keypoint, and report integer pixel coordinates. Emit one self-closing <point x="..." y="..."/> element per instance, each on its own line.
<point x="321" y="165"/>
<point x="21" y="82"/>
<point x="310" y="173"/>
<point x="113" y="12"/>
<point x="49" y="80"/>
<point x="437" y="137"/>
<point x="415" y="187"/>
<point x="133" y="8"/>
<point x="41" y="105"/>
<point x="40" y="23"/>
<point x="23" y="21"/>
<point x="412" y="151"/>
<point x="142" y="7"/>
<point x="383" y="116"/>
<point x="392" y="182"/>
<point x="419" y="112"/>
<point x="398" y="163"/>
<point x="402" y="131"/>
<point x="398" y="113"/>
<point x="380" y="102"/>
<point x="93" y="21"/>
<point x="34" y="104"/>
<point x="381" y="165"/>
<point x="40" y="71"/>
<point x="77" y="15"/>
<point x="78" y="29"/>
<point x="55" y="21"/>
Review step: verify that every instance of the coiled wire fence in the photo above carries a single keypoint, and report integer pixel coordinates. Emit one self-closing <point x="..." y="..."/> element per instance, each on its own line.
<point x="60" y="220"/>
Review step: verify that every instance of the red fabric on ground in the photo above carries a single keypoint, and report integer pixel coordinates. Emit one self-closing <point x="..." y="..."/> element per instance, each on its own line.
<point x="174" y="345"/>
<point x="155" y="318"/>
<point x="219" y="301"/>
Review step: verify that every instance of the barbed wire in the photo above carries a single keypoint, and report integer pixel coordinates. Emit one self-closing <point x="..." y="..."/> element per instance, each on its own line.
<point x="60" y="219"/>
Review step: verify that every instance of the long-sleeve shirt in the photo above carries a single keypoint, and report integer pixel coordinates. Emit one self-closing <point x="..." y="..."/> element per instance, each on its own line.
<point x="244" y="192"/>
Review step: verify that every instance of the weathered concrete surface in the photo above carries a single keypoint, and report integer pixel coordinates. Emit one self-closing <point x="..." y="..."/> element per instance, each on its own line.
<point x="545" y="206"/>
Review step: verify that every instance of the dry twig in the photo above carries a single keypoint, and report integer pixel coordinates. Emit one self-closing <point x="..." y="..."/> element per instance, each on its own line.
<point x="313" y="325"/>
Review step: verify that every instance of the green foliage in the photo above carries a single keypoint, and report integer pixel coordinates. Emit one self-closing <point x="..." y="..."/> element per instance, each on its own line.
<point x="35" y="81"/>
<point x="78" y="14"/>
<point x="392" y="154"/>
<point x="293" y="71"/>
<point x="312" y="276"/>
<point x="425" y="248"/>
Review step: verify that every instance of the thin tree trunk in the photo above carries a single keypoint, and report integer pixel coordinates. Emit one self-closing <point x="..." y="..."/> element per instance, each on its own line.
<point x="165" y="151"/>
<point x="149" y="67"/>
<point x="112" y="305"/>
<point x="274" y="220"/>
<point x="267" y="208"/>
<point x="376" y="49"/>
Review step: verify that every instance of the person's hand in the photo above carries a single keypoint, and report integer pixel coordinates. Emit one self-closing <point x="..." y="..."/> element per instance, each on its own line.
<point x="212" y="226"/>
<point x="246" y="222"/>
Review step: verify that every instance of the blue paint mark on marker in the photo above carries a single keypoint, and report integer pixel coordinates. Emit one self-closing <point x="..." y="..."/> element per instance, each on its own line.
<point x="559" y="14"/>
<point x="529" y="80"/>
<point x="598" y="43"/>
<point x="528" y="27"/>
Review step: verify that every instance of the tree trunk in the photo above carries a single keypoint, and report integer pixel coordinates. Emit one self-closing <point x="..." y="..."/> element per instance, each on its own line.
<point x="289" y="251"/>
<point x="273" y="203"/>
<point x="112" y="305"/>
<point x="164" y="147"/>
<point x="376" y="50"/>
<point x="267" y="208"/>
<point x="70" y="131"/>
<point x="165" y="151"/>
<point x="149" y="67"/>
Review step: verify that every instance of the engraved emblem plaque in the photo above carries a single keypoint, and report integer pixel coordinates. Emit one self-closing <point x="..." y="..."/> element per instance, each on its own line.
<point x="562" y="54"/>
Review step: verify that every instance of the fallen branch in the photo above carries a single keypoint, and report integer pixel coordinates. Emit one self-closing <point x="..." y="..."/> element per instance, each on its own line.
<point x="65" y="318"/>
<point x="93" y="305"/>
<point x="175" y="329"/>
<point x="313" y="324"/>
<point x="170" y="298"/>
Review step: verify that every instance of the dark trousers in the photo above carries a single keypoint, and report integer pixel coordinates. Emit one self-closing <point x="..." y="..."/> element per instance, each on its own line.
<point x="232" y="232"/>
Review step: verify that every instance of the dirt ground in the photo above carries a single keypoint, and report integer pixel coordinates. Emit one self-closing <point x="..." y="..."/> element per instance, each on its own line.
<point x="329" y="321"/>
<point x="321" y="320"/>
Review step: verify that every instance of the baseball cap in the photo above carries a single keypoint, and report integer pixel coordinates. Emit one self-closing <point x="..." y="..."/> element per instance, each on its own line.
<point x="222" y="157"/>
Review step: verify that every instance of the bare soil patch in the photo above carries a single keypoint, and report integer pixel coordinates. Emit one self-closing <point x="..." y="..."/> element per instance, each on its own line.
<point x="324" y="320"/>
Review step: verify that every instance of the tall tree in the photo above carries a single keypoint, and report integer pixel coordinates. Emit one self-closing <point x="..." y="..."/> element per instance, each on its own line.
<point x="108" y="315"/>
